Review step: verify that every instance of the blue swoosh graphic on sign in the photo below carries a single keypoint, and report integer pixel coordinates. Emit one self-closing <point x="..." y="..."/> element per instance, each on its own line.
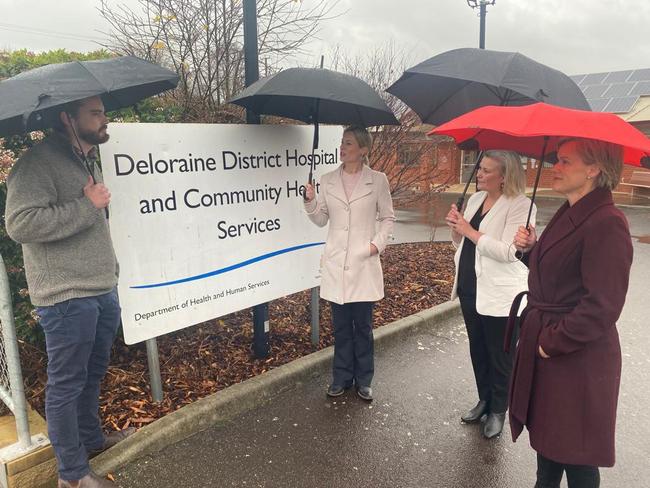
<point x="229" y="268"/>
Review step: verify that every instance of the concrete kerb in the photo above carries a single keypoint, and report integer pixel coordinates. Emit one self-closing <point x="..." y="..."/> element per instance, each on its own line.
<point x="226" y="404"/>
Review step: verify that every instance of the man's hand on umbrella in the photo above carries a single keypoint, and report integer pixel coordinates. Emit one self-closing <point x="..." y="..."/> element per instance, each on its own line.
<point x="525" y="239"/>
<point x="97" y="193"/>
<point x="309" y="192"/>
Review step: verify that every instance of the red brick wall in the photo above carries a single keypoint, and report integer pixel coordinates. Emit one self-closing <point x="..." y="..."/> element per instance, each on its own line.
<point x="447" y="156"/>
<point x="438" y="164"/>
<point x="627" y="174"/>
<point x="546" y="178"/>
<point x="531" y="173"/>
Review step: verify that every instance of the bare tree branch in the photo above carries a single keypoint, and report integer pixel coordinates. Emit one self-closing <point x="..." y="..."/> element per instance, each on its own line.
<point x="202" y="40"/>
<point x="404" y="153"/>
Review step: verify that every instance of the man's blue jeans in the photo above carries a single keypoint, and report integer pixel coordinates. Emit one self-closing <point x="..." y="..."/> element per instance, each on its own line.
<point x="79" y="334"/>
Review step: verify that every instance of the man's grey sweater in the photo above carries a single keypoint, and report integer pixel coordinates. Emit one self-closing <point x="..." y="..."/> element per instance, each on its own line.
<point x="67" y="247"/>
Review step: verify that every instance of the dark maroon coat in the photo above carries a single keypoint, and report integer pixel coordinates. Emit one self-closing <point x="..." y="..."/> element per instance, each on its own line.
<point x="578" y="280"/>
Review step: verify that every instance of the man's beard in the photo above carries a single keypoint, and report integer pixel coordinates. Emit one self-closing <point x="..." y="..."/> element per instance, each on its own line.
<point x="94" y="137"/>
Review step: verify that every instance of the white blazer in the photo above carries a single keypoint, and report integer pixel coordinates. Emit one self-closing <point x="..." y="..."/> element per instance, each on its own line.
<point x="348" y="272"/>
<point x="499" y="274"/>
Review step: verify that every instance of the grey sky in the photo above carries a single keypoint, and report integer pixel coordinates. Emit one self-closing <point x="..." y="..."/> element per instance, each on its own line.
<point x="575" y="36"/>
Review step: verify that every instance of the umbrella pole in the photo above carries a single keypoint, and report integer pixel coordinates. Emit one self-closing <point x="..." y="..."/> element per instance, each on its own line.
<point x="461" y="199"/>
<point x="519" y="254"/>
<point x="539" y="174"/>
<point x="314" y="146"/>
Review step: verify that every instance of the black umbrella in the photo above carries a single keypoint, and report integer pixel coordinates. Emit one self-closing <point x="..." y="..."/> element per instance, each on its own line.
<point x="316" y="95"/>
<point x="458" y="81"/>
<point x="32" y="100"/>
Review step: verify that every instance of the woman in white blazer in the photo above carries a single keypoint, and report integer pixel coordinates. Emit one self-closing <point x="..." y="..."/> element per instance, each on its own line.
<point x="488" y="276"/>
<point x="356" y="202"/>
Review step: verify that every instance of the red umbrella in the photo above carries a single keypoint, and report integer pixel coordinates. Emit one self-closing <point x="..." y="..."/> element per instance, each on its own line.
<point x="525" y="129"/>
<point x="535" y="130"/>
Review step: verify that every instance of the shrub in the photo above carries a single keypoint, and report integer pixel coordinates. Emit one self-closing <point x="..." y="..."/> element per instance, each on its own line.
<point x="24" y="315"/>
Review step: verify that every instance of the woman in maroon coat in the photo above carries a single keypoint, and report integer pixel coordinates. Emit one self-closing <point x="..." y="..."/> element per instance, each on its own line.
<point x="567" y="369"/>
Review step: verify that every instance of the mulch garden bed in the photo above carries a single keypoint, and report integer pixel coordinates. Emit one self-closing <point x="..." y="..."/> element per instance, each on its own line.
<point x="208" y="357"/>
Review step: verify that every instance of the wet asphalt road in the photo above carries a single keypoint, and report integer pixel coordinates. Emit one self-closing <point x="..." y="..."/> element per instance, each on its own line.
<point x="410" y="436"/>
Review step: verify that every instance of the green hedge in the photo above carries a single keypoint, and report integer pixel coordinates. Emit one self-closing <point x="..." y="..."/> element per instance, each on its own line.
<point x="24" y="315"/>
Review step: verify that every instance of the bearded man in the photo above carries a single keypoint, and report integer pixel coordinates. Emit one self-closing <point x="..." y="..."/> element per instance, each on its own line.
<point x="56" y="208"/>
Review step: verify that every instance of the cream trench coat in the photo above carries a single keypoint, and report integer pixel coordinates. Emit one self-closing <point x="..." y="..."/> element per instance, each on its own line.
<point x="348" y="272"/>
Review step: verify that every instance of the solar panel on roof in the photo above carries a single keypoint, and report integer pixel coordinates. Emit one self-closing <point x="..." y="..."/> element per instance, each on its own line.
<point x="618" y="90"/>
<point x="594" y="91"/>
<point x="620" y="105"/>
<point x="641" y="88"/>
<point x="594" y="79"/>
<point x="598" y="104"/>
<point x="618" y="76"/>
<point x="615" y="92"/>
<point x="640" y="75"/>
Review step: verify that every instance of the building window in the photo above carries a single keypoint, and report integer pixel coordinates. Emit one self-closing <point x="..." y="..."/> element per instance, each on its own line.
<point x="409" y="155"/>
<point x="534" y="163"/>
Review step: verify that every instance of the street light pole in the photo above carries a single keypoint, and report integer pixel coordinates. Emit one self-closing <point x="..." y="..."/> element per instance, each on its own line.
<point x="482" y="6"/>
<point x="251" y="63"/>
<point x="252" y="74"/>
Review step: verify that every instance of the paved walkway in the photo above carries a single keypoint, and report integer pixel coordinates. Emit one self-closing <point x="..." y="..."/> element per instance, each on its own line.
<point x="410" y="437"/>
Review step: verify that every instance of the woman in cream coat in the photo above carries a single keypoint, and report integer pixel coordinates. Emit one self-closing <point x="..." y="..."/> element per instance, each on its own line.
<point x="489" y="276"/>
<point x="356" y="202"/>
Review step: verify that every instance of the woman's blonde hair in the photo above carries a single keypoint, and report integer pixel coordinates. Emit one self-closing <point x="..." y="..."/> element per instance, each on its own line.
<point x="362" y="136"/>
<point x="607" y="156"/>
<point x="514" y="176"/>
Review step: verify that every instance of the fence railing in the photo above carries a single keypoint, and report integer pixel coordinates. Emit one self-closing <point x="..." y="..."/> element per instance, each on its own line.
<point x="12" y="392"/>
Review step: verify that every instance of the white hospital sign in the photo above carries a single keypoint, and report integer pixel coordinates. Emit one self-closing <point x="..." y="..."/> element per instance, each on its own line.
<point x="207" y="219"/>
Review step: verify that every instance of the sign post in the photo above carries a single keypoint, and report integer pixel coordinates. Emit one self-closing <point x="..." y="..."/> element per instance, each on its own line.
<point x="251" y="73"/>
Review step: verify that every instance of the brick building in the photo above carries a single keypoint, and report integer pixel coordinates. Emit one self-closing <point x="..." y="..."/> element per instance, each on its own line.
<point x="421" y="163"/>
<point x="625" y="93"/>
